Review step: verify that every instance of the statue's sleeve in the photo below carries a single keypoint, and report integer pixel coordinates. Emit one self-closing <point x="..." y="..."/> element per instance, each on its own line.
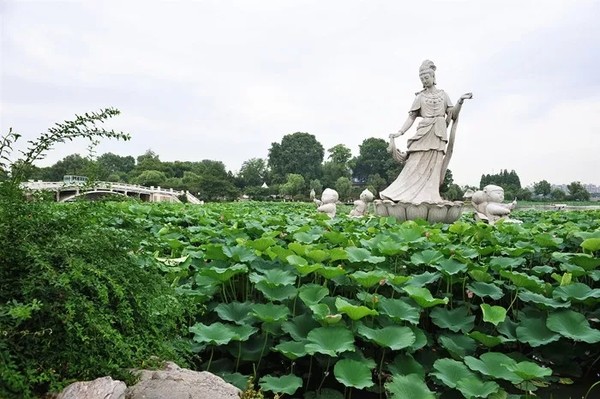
<point x="448" y="101"/>
<point x="416" y="105"/>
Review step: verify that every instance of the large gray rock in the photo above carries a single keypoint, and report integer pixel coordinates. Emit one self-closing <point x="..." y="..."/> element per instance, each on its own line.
<point x="100" y="388"/>
<point x="176" y="383"/>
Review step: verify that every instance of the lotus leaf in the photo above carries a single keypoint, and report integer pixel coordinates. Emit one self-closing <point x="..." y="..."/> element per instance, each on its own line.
<point x="451" y="371"/>
<point x="398" y="309"/>
<point x="352" y="373"/>
<point x="571" y="324"/>
<point x="287" y="384"/>
<point x="238" y="312"/>
<point x="239" y="253"/>
<point x="270" y="313"/>
<point x="390" y="247"/>
<point x="475" y="388"/>
<point x="482" y="290"/>
<point x="261" y="244"/>
<point x="585" y="261"/>
<point x="273" y="277"/>
<point x="498" y="263"/>
<point x="409" y="386"/>
<point x="538" y="299"/>
<point x="576" y="291"/>
<point x="451" y="267"/>
<point x="591" y="244"/>
<point x="308" y="236"/>
<point x="312" y="294"/>
<point x="547" y="240"/>
<point x="427" y="257"/>
<point x="369" y="279"/>
<point x="276" y="293"/>
<point x="225" y="273"/>
<point x="359" y="255"/>
<point x="488" y="340"/>
<point x="528" y="370"/>
<point x="296" y="260"/>
<point x="458" y="345"/>
<point x="519" y="279"/>
<point x="236" y="379"/>
<point x="457" y="319"/>
<point x="299" y="326"/>
<point x="338" y="254"/>
<point x="423" y="297"/>
<point x="353" y="311"/>
<point x="494" y="364"/>
<point x="405" y="364"/>
<point x="291" y="349"/>
<point x="423" y="279"/>
<point x="481" y="275"/>
<point x="393" y="337"/>
<point x="330" y="340"/>
<point x="213" y="334"/>
<point x="299" y="249"/>
<point x="493" y="314"/>
<point x="330" y="272"/>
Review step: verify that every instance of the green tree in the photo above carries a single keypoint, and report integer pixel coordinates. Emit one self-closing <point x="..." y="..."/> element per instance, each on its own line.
<point x="339" y="154"/>
<point x="374" y="159"/>
<point x="509" y="181"/>
<point x="577" y="192"/>
<point x="558" y="195"/>
<point x="343" y="186"/>
<point x="110" y="163"/>
<point x="316" y="185"/>
<point x="542" y="188"/>
<point x="73" y="164"/>
<point x="151" y="178"/>
<point x="298" y="153"/>
<point x="253" y="172"/>
<point x="294" y="185"/>
<point x="148" y="161"/>
<point x="376" y="183"/>
<point x="214" y="187"/>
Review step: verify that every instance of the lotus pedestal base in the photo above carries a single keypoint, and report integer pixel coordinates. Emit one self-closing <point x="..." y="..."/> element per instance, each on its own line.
<point x="442" y="212"/>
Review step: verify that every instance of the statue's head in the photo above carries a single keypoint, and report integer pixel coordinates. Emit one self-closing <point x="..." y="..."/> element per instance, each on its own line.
<point x="367" y="196"/>
<point x="494" y="193"/>
<point x="427" y="73"/>
<point x="329" y="196"/>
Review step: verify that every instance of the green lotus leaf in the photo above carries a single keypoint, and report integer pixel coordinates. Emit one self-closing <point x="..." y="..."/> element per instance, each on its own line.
<point x="508" y="329"/>
<point x="428" y="257"/>
<point x="547" y="240"/>
<point x="450" y="371"/>
<point x="408" y="386"/>
<point x="359" y="255"/>
<point x="475" y="388"/>
<point x="591" y="244"/>
<point x="529" y="370"/>
<point x="538" y="299"/>
<point x="420" y="339"/>
<point x="458" y="345"/>
<point x="586" y="261"/>
<point x="276" y="293"/>
<point x="238" y="380"/>
<point x="287" y="384"/>
<point x="494" y="365"/>
<point x="423" y="297"/>
<point x="239" y="253"/>
<point x="399" y="280"/>
<point x="304" y="270"/>
<point x="270" y="313"/>
<point x="451" y="267"/>
<point x="519" y="279"/>
<point x="576" y="291"/>
<point x="369" y="279"/>
<point x="296" y="260"/>
<point x="214" y="252"/>
<point x="307" y="237"/>
<point x="238" y="312"/>
<point x="291" y="349"/>
<point x="278" y="252"/>
<point x="488" y="340"/>
<point x="534" y="332"/>
<point x="330" y="341"/>
<point x="541" y="270"/>
<point x="330" y="272"/>
<point x="312" y="294"/>
<point x="273" y="277"/>
<point x="571" y="324"/>
<point x="481" y="276"/>
<point x="299" y="249"/>
<point x="498" y="263"/>
<point x="299" y="326"/>
<point x="493" y="314"/>
<point x="337" y="254"/>
<point x="482" y="290"/>
<point x="405" y="364"/>
<point x="225" y="273"/>
<point x="317" y="255"/>
<point x="398" y="310"/>
<point x="393" y="337"/>
<point x="360" y="357"/>
<point x="420" y="280"/>
<point x="353" y="311"/>
<point x="390" y="247"/>
<point x="261" y="244"/>
<point x="213" y="334"/>
<point x="352" y="373"/>
<point x="457" y="319"/>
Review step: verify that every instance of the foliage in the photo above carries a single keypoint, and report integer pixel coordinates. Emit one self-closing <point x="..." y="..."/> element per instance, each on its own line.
<point x="298" y="153"/>
<point x="505" y="179"/>
<point x="317" y="295"/>
<point x="374" y="159"/>
<point x="294" y="185"/>
<point x="542" y="188"/>
<point x="577" y="192"/>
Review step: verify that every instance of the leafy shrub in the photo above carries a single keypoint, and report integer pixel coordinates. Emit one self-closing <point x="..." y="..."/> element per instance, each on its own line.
<point x="75" y="301"/>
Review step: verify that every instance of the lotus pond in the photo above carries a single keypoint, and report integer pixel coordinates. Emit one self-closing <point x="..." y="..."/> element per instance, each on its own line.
<point x="342" y="308"/>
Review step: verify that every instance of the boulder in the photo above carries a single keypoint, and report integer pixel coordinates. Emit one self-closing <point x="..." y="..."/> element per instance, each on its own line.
<point x="100" y="388"/>
<point x="173" y="382"/>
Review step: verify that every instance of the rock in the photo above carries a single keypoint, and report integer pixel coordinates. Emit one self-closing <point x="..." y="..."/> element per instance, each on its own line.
<point x="100" y="388"/>
<point x="176" y="383"/>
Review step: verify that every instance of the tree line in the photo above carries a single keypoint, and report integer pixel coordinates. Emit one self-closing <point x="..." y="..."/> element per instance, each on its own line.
<point x="294" y="167"/>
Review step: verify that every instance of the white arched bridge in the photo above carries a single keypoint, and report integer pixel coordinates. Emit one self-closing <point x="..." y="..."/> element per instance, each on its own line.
<point x="70" y="190"/>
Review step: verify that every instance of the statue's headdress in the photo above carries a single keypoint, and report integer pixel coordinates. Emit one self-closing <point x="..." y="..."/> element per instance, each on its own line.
<point x="428" y="66"/>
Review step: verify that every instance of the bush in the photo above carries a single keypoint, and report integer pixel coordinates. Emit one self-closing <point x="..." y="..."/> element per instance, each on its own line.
<point x="76" y="301"/>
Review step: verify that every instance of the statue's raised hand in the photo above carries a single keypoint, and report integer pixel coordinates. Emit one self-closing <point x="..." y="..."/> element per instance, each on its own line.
<point x="466" y="96"/>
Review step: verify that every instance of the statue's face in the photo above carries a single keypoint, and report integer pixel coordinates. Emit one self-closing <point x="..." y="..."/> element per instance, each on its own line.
<point x="496" y="195"/>
<point x="426" y="79"/>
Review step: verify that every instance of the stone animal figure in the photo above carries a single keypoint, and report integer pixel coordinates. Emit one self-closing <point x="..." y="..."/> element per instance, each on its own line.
<point x="361" y="205"/>
<point x="488" y="204"/>
<point x="327" y="203"/>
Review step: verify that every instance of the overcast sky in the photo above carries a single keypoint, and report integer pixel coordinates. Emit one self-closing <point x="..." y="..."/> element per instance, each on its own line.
<point x="224" y="79"/>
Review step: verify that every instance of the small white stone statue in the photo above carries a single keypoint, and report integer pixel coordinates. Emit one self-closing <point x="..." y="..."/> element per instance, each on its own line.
<point x="489" y="207"/>
<point x="361" y="205"/>
<point x="327" y="203"/>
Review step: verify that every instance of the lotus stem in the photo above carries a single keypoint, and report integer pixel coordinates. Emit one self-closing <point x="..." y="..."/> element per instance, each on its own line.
<point x="262" y="351"/>
<point x="309" y="373"/>
<point x="590" y="390"/>
<point x="212" y="352"/>
<point x="325" y="374"/>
